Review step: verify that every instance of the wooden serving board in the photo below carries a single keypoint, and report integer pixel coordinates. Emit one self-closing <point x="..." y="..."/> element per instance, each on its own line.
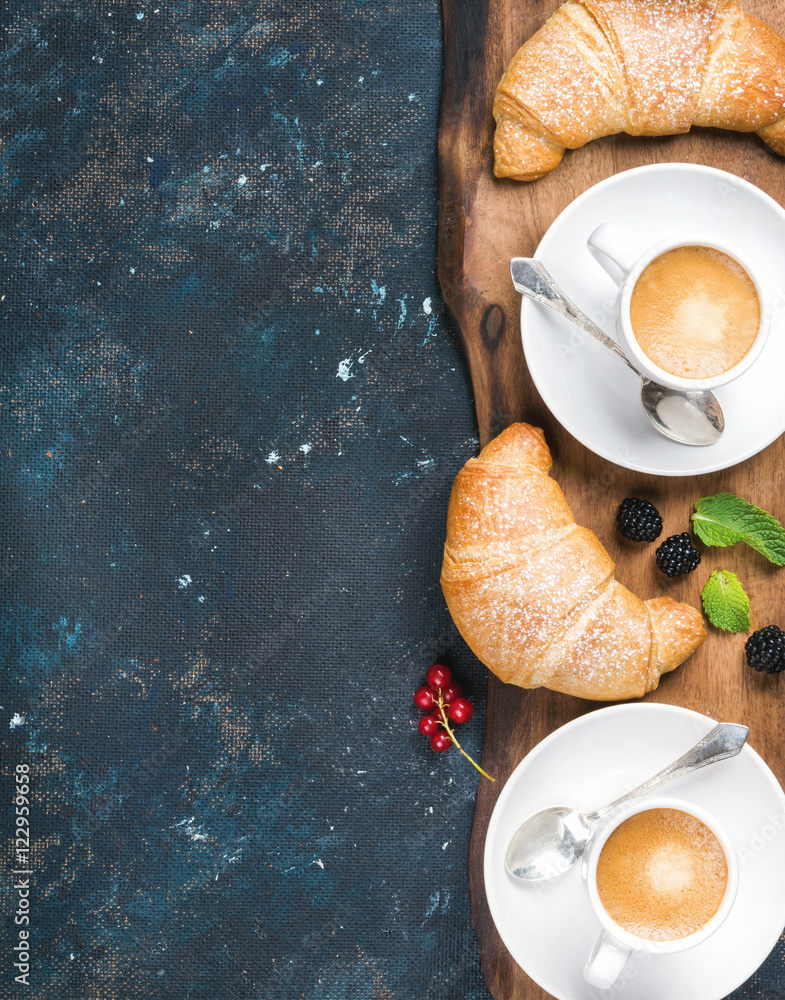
<point x="484" y="222"/>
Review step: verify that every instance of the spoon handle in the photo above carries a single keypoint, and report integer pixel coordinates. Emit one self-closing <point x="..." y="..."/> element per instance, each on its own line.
<point x="532" y="279"/>
<point x="724" y="740"/>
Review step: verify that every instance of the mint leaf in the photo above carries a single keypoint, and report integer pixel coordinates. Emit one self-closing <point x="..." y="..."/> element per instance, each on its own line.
<point x="725" y="519"/>
<point x="725" y="602"/>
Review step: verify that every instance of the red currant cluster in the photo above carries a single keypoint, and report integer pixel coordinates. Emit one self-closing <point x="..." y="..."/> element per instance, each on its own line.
<point x="442" y="698"/>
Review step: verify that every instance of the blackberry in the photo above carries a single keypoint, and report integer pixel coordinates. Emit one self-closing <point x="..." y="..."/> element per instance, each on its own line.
<point x="765" y="649"/>
<point x="639" y="520"/>
<point x="677" y="555"/>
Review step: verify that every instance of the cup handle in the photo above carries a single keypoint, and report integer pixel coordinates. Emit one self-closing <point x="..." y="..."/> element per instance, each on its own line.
<point x="612" y="248"/>
<point x="606" y="962"/>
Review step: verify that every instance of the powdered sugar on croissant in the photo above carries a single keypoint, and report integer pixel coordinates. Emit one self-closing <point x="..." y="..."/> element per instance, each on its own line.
<point x="645" y="67"/>
<point x="533" y="594"/>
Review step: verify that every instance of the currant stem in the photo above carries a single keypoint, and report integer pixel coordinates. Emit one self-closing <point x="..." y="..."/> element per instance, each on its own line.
<point x="451" y="734"/>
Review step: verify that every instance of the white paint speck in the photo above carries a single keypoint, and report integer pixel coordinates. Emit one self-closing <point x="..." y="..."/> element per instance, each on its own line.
<point x="201" y="598"/>
<point x="191" y="831"/>
<point x="434" y="903"/>
<point x="318" y="862"/>
<point x="242" y="179"/>
<point x="272" y="458"/>
<point x="402" y="317"/>
<point x="345" y="369"/>
<point x="412" y="97"/>
<point x="140" y="16"/>
<point x="305" y="448"/>
<point x="18" y="720"/>
<point x="183" y="581"/>
<point x="319" y="83"/>
<point x="445" y="845"/>
<point x="132" y="270"/>
<point x="264" y="166"/>
<point x="426" y="306"/>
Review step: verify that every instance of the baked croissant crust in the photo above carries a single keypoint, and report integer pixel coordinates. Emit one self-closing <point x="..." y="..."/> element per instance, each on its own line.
<point x="645" y="67"/>
<point x="533" y="594"/>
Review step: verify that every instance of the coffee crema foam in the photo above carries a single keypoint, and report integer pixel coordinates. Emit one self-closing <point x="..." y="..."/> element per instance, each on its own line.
<point x="662" y="874"/>
<point x="695" y="312"/>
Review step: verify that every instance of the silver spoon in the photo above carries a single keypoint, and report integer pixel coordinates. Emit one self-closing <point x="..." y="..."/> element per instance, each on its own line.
<point x="694" y="418"/>
<point x="552" y="840"/>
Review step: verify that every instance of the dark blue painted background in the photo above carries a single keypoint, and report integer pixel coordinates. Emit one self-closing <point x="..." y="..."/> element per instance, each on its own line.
<point x="232" y="411"/>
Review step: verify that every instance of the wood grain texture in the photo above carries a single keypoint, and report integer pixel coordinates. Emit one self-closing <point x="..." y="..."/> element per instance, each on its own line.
<point x="483" y="223"/>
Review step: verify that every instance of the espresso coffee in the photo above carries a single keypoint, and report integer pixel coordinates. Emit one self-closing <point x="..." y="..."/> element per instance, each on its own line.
<point x="662" y="874"/>
<point x="695" y="312"/>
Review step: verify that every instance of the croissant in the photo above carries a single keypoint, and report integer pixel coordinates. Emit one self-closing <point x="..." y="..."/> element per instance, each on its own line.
<point x="645" y="67"/>
<point x="534" y="595"/>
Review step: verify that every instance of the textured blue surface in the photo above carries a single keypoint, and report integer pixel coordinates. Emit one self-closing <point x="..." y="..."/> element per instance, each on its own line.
<point x="232" y="412"/>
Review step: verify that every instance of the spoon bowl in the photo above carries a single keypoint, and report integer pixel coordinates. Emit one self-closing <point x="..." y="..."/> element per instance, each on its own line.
<point x="549" y="843"/>
<point x="694" y="418"/>
<point x="691" y="418"/>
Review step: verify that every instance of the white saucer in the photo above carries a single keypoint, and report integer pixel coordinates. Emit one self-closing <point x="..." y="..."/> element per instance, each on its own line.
<point x="549" y="928"/>
<point x="596" y="397"/>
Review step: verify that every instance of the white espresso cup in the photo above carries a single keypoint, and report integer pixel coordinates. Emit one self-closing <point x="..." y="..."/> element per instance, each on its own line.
<point x="616" y="251"/>
<point x="616" y="945"/>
